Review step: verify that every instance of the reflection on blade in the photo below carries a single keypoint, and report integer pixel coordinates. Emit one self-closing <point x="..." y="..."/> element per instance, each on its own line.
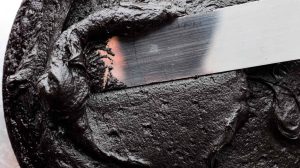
<point x="238" y="37"/>
<point x="118" y="59"/>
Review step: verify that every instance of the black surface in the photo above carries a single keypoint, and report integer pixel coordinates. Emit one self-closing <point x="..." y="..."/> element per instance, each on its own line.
<point x="59" y="115"/>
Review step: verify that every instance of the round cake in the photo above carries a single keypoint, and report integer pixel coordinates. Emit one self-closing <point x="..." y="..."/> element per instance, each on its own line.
<point x="65" y="109"/>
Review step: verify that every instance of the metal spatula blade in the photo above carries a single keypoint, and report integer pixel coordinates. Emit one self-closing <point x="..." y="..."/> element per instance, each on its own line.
<point x="238" y="37"/>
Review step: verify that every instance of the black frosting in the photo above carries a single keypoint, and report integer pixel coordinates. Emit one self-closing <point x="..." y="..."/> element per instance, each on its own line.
<point x="63" y="110"/>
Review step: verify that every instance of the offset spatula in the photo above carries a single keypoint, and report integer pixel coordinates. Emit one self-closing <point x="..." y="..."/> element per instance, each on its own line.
<point x="238" y="37"/>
